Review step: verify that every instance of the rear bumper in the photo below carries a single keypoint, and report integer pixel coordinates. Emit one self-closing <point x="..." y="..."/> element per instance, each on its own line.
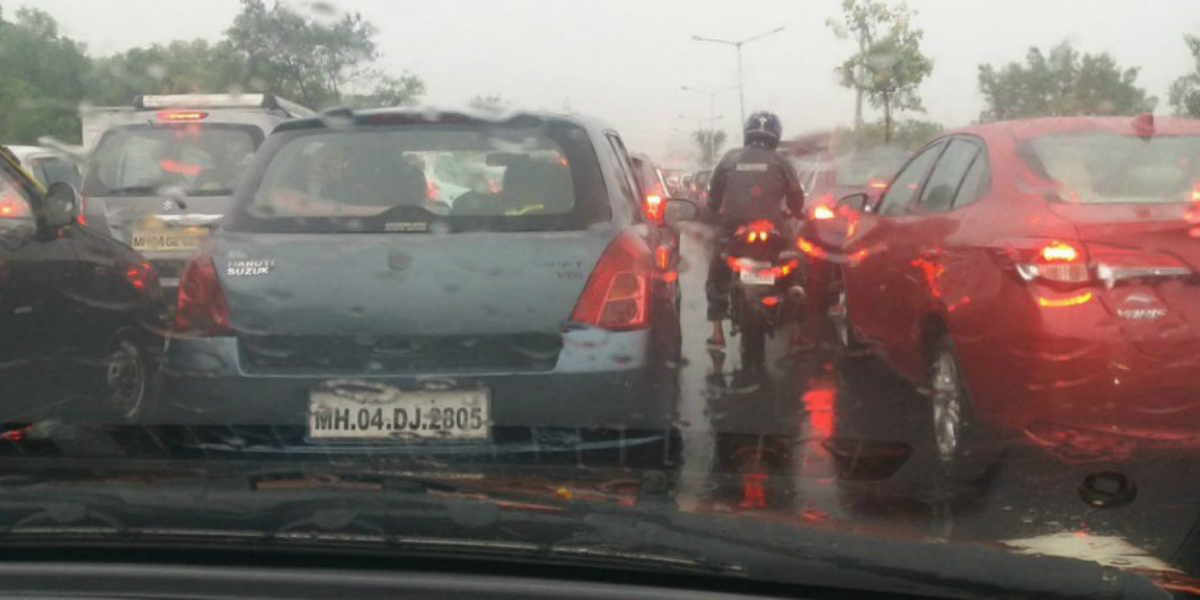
<point x="601" y="380"/>
<point x="1075" y="369"/>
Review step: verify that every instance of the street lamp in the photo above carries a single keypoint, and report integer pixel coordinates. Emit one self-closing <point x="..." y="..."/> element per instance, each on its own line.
<point x="738" y="44"/>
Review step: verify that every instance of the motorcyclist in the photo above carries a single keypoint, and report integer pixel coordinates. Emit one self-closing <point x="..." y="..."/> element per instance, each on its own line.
<point x="750" y="184"/>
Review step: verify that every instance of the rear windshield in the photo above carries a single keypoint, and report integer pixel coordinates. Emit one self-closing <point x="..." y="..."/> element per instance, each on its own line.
<point x="858" y="168"/>
<point x="1100" y="168"/>
<point x="202" y="160"/>
<point x="405" y="179"/>
<point x="52" y="169"/>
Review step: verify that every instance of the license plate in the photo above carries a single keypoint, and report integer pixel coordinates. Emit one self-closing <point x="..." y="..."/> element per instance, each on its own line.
<point x="168" y="240"/>
<point x="363" y="413"/>
<point x="757" y="278"/>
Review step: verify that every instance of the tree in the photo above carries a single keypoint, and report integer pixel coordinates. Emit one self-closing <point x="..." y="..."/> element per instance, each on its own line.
<point x="43" y="82"/>
<point x="909" y="134"/>
<point x="894" y="68"/>
<point x="887" y="66"/>
<point x="177" y="68"/>
<point x="1185" y="91"/>
<point x="709" y="141"/>
<point x="1061" y="84"/>
<point x="319" y="62"/>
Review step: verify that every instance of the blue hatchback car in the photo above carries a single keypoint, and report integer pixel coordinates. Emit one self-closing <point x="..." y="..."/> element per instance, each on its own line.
<point x="397" y="278"/>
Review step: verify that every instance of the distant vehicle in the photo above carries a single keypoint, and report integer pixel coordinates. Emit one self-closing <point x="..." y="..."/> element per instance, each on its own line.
<point x="333" y="299"/>
<point x="164" y="172"/>
<point x="830" y="175"/>
<point x="1039" y="277"/>
<point x="827" y="175"/>
<point x="655" y="198"/>
<point x="46" y="165"/>
<point x="701" y="182"/>
<point x="79" y="311"/>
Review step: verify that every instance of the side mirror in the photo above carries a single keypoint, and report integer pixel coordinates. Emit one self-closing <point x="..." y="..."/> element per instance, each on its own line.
<point x="680" y="210"/>
<point x="62" y="203"/>
<point x="860" y="203"/>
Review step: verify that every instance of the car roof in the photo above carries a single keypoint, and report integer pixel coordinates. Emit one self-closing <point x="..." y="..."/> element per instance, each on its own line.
<point x="23" y="152"/>
<point x="1024" y="129"/>
<point x="594" y="127"/>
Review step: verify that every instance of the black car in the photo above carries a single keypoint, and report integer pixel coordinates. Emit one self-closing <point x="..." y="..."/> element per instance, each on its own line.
<point x="79" y="311"/>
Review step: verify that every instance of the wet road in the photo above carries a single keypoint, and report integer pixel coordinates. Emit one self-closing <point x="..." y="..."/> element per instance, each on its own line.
<point x="844" y="443"/>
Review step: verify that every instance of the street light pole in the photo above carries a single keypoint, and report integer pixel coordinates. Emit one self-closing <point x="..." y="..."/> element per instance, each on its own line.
<point x="737" y="44"/>
<point x="712" y="113"/>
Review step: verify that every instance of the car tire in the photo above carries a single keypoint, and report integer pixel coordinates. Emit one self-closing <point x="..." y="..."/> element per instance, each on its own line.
<point x="127" y="378"/>
<point x="959" y="457"/>
<point x="849" y="344"/>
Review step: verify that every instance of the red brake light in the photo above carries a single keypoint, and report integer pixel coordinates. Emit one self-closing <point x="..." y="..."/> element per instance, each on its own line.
<point x="662" y="257"/>
<point x="81" y="218"/>
<point x="1059" y="252"/>
<point x="143" y="278"/>
<point x="1054" y="261"/>
<point x="822" y="213"/>
<point x="179" y="116"/>
<point x="201" y="307"/>
<point x="617" y="295"/>
<point x="13" y="208"/>
<point x="654" y="208"/>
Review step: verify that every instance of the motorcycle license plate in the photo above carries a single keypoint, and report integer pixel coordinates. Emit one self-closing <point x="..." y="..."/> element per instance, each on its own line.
<point x="757" y="278"/>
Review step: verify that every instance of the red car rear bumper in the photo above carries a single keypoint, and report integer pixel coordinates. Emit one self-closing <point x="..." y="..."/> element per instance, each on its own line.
<point x="1076" y="379"/>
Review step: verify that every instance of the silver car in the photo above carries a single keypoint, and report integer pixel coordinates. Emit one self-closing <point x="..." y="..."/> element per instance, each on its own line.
<point x="164" y="173"/>
<point x="345" y="301"/>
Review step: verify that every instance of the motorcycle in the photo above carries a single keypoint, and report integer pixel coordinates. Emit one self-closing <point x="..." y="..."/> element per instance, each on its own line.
<point x="767" y="292"/>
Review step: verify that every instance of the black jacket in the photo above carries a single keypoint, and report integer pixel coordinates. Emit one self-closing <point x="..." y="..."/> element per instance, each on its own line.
<point x="752" y="183"/>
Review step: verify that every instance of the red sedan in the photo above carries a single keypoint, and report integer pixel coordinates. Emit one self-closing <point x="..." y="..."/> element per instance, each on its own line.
<point x="1039" y="277"/>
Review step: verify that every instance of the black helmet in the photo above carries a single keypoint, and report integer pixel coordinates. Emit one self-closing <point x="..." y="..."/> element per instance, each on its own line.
<point x="763" y="127"/>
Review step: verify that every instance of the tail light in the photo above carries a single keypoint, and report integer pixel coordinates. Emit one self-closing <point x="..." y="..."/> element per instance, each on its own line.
<point x="758" y="231"/>
<point x="654" y="208"/>
<point x="13" y="208"/>
<point x="617" y="295"/>
<point x="877" y="185"/>
<point x="82" y="216"/>
<point x="1116" y="264"/>
<point x="180" y="116"/>
<point x="662" y="257"/>
<point x="1070" y="262"/>
<point x="143" y="278"/>
<point x="822" y="213"/>
<point x="431" y="190"/>
<point x="201" y="307"/>
<point x="1054" y="261"/>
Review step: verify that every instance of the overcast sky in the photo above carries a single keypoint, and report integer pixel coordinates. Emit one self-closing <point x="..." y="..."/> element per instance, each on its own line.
<point x="625" y="60"/>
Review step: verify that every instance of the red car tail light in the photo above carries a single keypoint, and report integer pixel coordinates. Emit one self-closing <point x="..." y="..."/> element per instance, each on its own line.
<point x="823" y="213"/>
<point x="1055" y="261"/>
<point x="1118" y="264"/>
<point x="201" y="307"/>
<point x="617" y="295"/>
